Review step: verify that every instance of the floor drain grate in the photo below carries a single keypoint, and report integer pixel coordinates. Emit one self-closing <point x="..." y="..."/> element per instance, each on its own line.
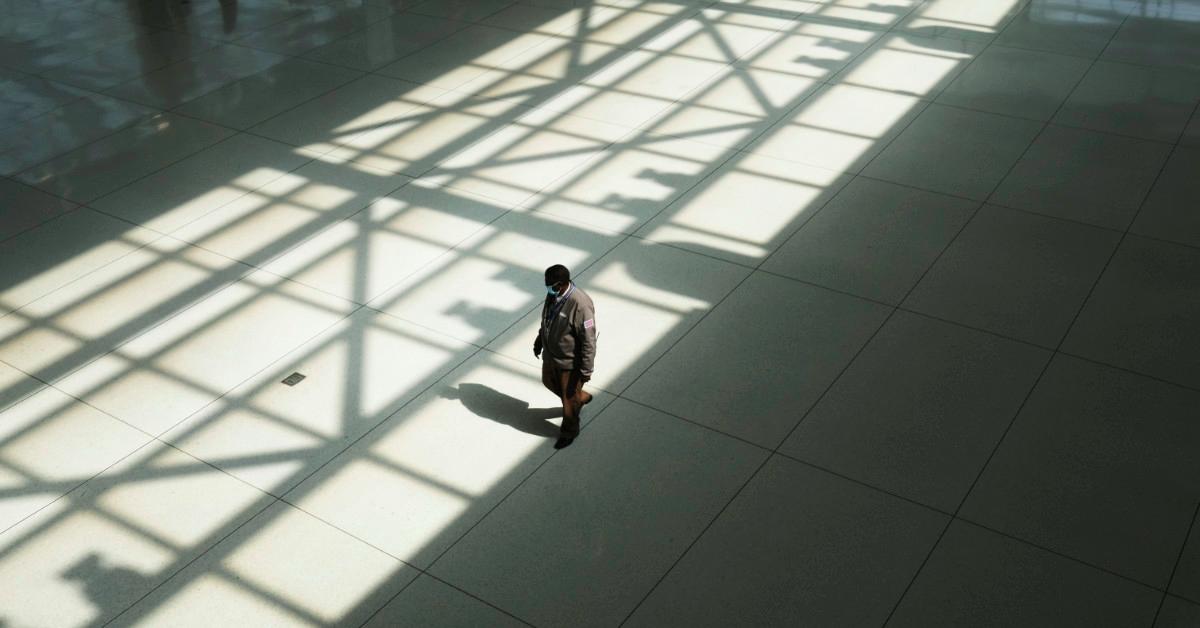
<point x="293" y="379"/>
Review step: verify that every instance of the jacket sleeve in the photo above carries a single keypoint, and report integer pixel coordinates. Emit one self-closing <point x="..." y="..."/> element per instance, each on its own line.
<point x="585" y="335"/>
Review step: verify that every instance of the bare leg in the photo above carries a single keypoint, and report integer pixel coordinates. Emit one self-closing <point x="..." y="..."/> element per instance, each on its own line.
<point x="572" y="400"/>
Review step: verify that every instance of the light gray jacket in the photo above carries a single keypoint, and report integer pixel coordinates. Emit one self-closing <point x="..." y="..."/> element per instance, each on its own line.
<point x="570" y="337"/>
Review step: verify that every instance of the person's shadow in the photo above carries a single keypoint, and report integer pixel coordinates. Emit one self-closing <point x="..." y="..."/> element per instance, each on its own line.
<point x="109" y="587"/>
<point x="496" y="406"/>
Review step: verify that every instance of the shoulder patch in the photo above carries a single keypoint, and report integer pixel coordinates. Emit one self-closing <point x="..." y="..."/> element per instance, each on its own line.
<point x="589" y="323"/>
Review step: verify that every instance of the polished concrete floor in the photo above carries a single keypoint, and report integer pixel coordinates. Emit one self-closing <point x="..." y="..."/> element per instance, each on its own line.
<point x="898" y="302"/>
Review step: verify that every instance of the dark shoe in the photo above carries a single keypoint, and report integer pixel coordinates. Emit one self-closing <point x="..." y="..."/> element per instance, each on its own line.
<point x="587" y="399"/>
<point x="563" y="442"/>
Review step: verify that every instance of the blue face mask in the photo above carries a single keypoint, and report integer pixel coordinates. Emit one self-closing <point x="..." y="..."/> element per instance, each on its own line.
<point x="551" y="291"/>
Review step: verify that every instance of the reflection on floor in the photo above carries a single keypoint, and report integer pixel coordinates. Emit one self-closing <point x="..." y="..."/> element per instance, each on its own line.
<point x="899" y="312"/>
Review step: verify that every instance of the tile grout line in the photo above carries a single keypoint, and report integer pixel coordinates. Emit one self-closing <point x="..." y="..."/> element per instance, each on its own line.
<point x="275" y="498"/>
<point x="1037" y="381"/>
<point x="618" y="395"/>
<point x="775" y="450"/>
<point x="1174" y="569"/>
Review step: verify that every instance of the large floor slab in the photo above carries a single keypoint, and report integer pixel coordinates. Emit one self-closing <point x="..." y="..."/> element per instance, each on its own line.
<point x="920" y="411"/>
<point x="1133" y="318"/>
<point x="728" y="373"/>
<point x="1021" y="586"/>
<point x="1104" y="503"/>
<point x="424" y="478"/>
<point x="743" y="570"/>
<point x="603" y="520"/>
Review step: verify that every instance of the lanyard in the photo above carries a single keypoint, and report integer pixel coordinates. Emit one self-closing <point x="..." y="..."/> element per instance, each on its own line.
<point x="551" y="312"/>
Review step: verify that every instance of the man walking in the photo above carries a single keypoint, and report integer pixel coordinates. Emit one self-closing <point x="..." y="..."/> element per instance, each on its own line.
<point x="568" y="337"/>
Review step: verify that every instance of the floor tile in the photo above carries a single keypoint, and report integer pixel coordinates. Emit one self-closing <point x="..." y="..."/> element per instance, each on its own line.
<point x="1168" y="211"/>
<point x="1136" y="317"/>
<point x="263" y="224"/>
<point x="810" y="49"/>
<point x="424" y="478"/>
<point x="629" y="183"/>
<point x="258" y="97"/>
<point x="711" y="218"/>
<point x="343" y="113"/>
<point x="907" y="64"/>
<point x="663" y="150"/>
<point x="225" y="21"/>
<point x="1022" y="586"/>
<point x="633" y="89"/>
<point x="383" y="42"/>
<point x="1153" y="103"/>
<point x="1158" y="41"/>
<point x="920" y="410"/>
<point x="284" y="567"/>
<point x="412" y="135"/>
<point x="521" y="158"/>
<point x="1072" y="475"/>
<point x="873" y="14"/>
<point x="65" y="129"/>
<point x="92" y="171"/>
<point x="954" y="19"/>
<point x="321" y="25"/>
<point x="162" y="376"/>
<point x="1016" y="82"/>
<point x="122" y="534"/>
<point x="1062" y="27"/>
<point x="523" y="17"/>
<point x="541" y="73"/>
<point x="461" y="57"/>
<point x="839" y="127"/>
<point x="430" y="602"/>
<point x="1191" y="134"/>
<point x="954" y="151"/>
<point x="859" y="549"/>
<point x="633" y="23"/>
<point x="15" y="386"/>
<point x="567" y="534"/>
<point x="23" y="97"/>
<point x="369" y="252"/>
<point x="874" y="239"/>
<point x="1177" y="613"/>
<point x="647" y="296"/>
<point x="715" y="35"/>
<point x="27" y="207"/>
<point x="126" y="60"/>
<point x="495" y="277"/>
<point x="463" y="10"/>
<point x="84" y="319"/>
<point x="1082" y="175"/>
<point x="781" y="343"/>
<point x="628" y="108"/>
<point x="735" y="106"/>
<point x="51" y="444"/>
<point x="1186" y="581"/>
<point x="64" y="42"/>
<point x="176" y="84"/>
<point x="779" y="9"/>
<point x="357" y="373"/>
<point x="1015" y="274"/>
<point x="199" y="184"/>
<point x="57" y="252"/>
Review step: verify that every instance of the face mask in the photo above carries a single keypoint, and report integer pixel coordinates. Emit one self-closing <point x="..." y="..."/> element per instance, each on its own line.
<point x="551" y="291"/>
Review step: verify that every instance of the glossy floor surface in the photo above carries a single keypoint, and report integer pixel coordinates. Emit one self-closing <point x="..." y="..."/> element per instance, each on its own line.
<point x="898" y="302"/>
